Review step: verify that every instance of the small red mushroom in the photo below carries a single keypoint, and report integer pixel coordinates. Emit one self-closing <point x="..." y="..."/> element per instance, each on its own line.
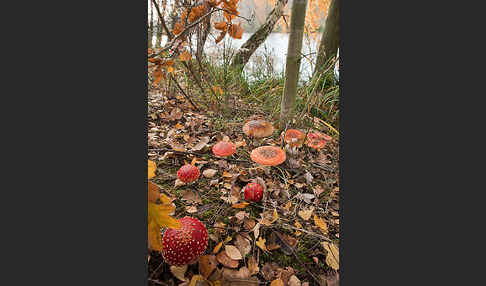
<point x="223" y="149"/>
<point x="268" y="155"/>
<point x="294" y="137"/>
<point x="188" y="173"/>
<point x="253" y="192"/>
<point x="185" y="245"/>
<point x="317" y="140"/>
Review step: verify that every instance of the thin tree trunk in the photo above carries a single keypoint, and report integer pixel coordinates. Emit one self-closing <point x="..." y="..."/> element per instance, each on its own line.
<point x="151" y="26"/>
<point x="330" y="36"/>
<point x="249" y="47"/>
<point x="292" y="66"/>
<point x="202" y="35"/>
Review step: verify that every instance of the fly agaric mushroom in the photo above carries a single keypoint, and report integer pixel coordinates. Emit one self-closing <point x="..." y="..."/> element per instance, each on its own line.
<point x="268" y="155"/>
<point x="185" y="245"/>
<point x="188" y="173"/>
<point x="294" y="137"/>
<point x="317" y="140"/>
<point x="223" y="149"/>
<point x="258" y="128"/>
<point x="253" y="192"/>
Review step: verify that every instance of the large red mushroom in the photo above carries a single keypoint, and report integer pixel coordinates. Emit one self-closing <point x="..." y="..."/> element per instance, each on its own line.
<point x="185" y="245"/>
<point x="223" y="149"/>
<point x="188" y="173"/>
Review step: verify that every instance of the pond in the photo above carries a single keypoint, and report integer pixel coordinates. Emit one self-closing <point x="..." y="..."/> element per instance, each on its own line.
<point x="270" y="56"/>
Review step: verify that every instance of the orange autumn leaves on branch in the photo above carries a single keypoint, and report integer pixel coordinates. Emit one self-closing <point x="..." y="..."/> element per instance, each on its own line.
<point x="230" y="12"/>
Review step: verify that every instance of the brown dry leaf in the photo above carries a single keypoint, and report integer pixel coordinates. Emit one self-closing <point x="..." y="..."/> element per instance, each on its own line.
<point x="191" y="209"/>
<point x="306" y="214"/>
<point x="318" y="190"/>
<point x="269" y="217"/>
<point x="178" y="183"/>
<point x="217" y="247"/>
<point x="191" y="197"/>
<point x="179" y="272"/>
<point x="277" y="282"/>
<point x="224" y="259"/>
<point x="207" y="264"/>
<point x="242" y="215"/>
<point x="256" y="230"/>
<point x="222" y="26"/>
<point x="243" y="244"/>
<point x="294" y="281"/>
<point x="233" y="252"/>
<point x="321" y="224"/>
<point x="332" y="258"/>
<point x="227" y="175"/>
<point x="203" y="142"/>
<point x="248" y="224"/>
<point x="261" y="243"/>
<point x="241" y="205"/>
<point x="240" y="143"/>
<point x="238" y="278"/>
<point x="235" y="31"/>
<point x="297" y="224"/>
<point x="209" y="173"/>
<point x="253" y="266"/>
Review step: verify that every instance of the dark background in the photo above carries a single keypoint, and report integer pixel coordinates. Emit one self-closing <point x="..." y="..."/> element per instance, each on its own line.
<point x="74" y="153"/>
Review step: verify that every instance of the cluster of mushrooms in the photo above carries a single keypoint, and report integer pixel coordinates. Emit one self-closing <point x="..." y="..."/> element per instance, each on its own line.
<point x="185" y="245"/>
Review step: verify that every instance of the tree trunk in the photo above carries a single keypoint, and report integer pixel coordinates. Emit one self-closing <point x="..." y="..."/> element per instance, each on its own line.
<point x="202" y="35"/>
<point x="249" y="47"/>
<point x="151" y="26"/>
<point x="158" y="39"/>
<point x="330" y="36"/>
<point x="292" y="66"/>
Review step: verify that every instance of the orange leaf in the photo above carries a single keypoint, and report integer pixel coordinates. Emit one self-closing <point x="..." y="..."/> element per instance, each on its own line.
<point x="185" y="56"/>
<point x="222" y="26"/>
<point x="168" y="63"/>
<point x="153" y="192"/>
<point x="240" y="205"/>
<point x="235" y="31"/>
<point x="220" y="37"/>
<point x="217" y="247"/>
<point x="320" y="223"/>
<point x="170" y="69"/>
<point x="178" y="28"/>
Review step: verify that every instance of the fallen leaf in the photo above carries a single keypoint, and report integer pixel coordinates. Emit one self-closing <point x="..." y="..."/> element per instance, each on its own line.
<point x="297" y="224"/>
<point x="243" y="244"/>
<point x="261" y="243"/>
<point x="217" y="247"/>
<point x="269" y="217"/>
<point x="178" y="183"/>
<point x="191" y="197"/>
<point x="288" y="205"/>
<point x="256" y="230"/>
<point x="306" y="214"/>
<point x="209" y="173"/>
<point x="153" y="192"/>
<point x="277" y="282"/>
<point x="207" y="264"/>
<point x="294" y="281"/>
<point x="196" y="278"/>
<point x="253" y="266"/>
<point x="203" y="142"/>
<point x="332" y="258"/>
<point x="233" y="252"/>
<point x="241" y="215"/>
<point x="224" y="259"/>
<point x="179" y="272"/>
<point x="305" y="197"/>
<point x="241" y="205"/>
<point x="191" y="209"/>
<point x="151" y="169"/>
<point x="321" y="224"/>
<point x="227" y="175"/>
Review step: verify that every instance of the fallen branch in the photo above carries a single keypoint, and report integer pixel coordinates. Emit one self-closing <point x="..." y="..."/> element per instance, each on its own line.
<point x="184" y="93"/>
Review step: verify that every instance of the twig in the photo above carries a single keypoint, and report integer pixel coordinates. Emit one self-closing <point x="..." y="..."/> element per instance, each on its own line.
<point x="184" y="93"/>
<point x="169" y="34"/>
<point x="158" y="282"/>
<point x="231" y="13"/>
<point x="308" y="232"/>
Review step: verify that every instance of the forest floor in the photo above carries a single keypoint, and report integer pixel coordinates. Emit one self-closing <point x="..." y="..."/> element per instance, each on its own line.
<point x="290" y="238"/>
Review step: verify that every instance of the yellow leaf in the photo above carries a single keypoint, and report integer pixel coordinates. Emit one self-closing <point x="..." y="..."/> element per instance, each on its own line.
<point x="288" y="205"/>
<point x="241" y="205"/>
<point x="160" y="215"/>
<point x="217" y="247"/>
<point x="164" y="199"/>
<point x="332" y="258"/>
<point x="217" y="89"/>
<point x="277" y="282"/>
<point x="179" y="272"/>
<point x="228" y="239"/>
<point x="151" y="169"/>
<point x="297" y="224"/>
<point x="306" y="214"/>
<point x="196" y="278"/>
<point x="154" y="237"/>
<point x="320" y="223"/>
<point x="261" y="243"/>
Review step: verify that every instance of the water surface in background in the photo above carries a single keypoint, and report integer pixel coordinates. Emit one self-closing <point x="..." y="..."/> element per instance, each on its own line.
<point x="273" y="51"/>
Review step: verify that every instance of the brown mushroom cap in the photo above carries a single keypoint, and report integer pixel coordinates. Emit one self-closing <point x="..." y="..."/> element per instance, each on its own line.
<point x="294" y="137"/>
<point x="258" y="128"/>
<point x="223" y="148"/>
<point x="268" y="155"/>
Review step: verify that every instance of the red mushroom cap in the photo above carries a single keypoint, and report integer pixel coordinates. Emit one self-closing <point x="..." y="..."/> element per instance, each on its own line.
<point x="253" y="192"/>
<point x="317" y="140"/>
<point x="268" y="155"/>
<point x="258" y="128"/>
<point x="188" y="173"/>
<point x="185" y="245"/>
<point x="223" y="149"/>
<point x="294" y="137"/>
